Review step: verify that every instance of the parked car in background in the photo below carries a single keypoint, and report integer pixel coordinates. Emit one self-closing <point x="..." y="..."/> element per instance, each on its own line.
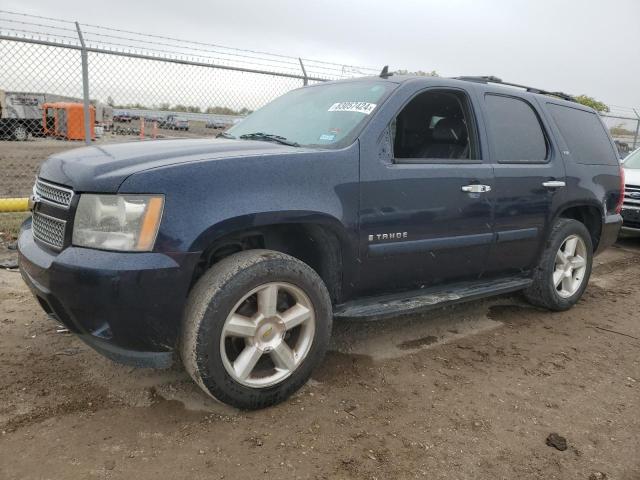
<point x="123" y="117"/>
<point x="631" y="205"/>
<point x="362" y="199"/>
<point x="154" y="118"/>
<point x="217" y="124"/>
<point x="623" y="148"/>
<point x="174" y="122"/>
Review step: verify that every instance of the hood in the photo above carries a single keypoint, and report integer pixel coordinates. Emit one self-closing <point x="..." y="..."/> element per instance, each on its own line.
<point x="103" y="168"/>
<point x="631" y="176"/>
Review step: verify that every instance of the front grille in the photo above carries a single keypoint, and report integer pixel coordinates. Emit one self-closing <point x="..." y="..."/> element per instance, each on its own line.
<point x="55" y="194"/>
<point x="48" y="230"/>
<point x="632" y="196"/>
<point x="631" y="224"/>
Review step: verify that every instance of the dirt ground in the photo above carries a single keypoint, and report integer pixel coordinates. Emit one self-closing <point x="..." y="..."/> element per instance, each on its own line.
<point x="469" y="392"/>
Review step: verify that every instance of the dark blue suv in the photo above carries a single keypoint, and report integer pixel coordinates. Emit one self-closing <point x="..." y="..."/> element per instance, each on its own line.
<point x="365" y="198"/>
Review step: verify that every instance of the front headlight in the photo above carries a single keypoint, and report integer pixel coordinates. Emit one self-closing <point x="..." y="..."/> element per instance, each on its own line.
<point x="117" y="222"/>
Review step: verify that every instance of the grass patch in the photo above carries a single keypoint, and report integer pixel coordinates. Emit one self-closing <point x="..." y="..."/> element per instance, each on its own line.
<point x="10" y="224"/>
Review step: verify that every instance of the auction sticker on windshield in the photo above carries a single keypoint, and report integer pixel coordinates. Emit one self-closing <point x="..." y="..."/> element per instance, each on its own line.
<point x="361" y="107"/>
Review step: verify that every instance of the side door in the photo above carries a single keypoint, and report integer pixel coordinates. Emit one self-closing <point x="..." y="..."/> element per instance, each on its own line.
<point x="529" y="179"/>
<point x="425" y="211"/>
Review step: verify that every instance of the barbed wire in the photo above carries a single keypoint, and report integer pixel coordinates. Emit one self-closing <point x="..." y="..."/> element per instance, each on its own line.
<point x="88" y="34"/>
<point x="23" y="25"/>
<point x="145" y="42"/>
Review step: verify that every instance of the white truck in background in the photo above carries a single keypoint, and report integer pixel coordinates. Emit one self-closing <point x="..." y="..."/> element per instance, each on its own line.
<point x="21" y="113"/>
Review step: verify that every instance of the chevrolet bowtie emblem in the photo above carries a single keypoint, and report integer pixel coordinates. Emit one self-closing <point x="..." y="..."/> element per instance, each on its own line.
<point x="266" y="334"/>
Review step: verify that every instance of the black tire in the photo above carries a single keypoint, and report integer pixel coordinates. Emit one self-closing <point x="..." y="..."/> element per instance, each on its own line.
<point x="214" y="297"/>
<point x="542" y="292"/>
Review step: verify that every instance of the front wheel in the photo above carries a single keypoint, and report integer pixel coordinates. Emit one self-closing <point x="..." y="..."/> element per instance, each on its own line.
<point x="562" y="275"/>
<point x="256" y="325"/>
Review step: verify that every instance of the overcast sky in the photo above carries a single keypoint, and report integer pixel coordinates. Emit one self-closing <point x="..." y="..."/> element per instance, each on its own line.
<point x="588" y="46"/>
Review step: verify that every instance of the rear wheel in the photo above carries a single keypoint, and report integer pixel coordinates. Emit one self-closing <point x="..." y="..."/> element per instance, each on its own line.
<point x="256" y="325"/>
<point x="565" y="266"/>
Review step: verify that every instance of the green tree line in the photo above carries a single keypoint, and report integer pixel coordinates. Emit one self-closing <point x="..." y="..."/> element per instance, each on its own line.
<point x="165" y="106"/>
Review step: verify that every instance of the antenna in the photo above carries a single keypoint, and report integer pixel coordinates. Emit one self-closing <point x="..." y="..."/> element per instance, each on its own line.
<point x="385" y="72"/>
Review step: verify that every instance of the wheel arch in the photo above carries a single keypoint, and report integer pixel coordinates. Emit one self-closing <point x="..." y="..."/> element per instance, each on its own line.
<point x="591" y="215"/>
<point x="317" y="239"/>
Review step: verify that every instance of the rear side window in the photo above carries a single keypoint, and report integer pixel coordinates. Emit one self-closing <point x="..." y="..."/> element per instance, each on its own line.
<point x="516" y="133"/>
<point x="585" y="135"/>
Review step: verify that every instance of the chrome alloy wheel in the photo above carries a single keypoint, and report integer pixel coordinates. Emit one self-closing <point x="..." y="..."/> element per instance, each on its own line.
<point x="570" y="266"/>
<point x="267" y="335"/>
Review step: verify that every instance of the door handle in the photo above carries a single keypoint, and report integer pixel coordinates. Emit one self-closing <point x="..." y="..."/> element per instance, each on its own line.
<point x="554" y="184"/>
<point x="476" y="188"/>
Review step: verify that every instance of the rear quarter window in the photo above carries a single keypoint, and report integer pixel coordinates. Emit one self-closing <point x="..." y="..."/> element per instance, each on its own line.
<point x="516" y="133"/>
<point x="584" y="134"/>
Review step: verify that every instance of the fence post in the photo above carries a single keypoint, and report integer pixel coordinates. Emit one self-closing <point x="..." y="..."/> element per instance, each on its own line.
<point x="305" y="81"/>
<point x="635" y="137"/>
<point x="85" y="87"/>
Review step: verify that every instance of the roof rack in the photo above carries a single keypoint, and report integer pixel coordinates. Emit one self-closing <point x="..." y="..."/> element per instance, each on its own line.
<point x="492" y="79"/>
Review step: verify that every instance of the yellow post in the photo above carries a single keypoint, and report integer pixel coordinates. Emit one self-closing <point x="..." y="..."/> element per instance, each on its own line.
<point x="14" y="205"/>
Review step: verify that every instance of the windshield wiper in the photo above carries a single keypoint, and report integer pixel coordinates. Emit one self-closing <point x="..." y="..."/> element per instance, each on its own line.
<point x="269" y="137"/>
<point x="224" y="135"/>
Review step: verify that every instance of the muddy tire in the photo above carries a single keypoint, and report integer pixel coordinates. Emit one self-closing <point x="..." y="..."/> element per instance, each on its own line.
<point x="564" y="269"/>
<point x="255" y="326"/>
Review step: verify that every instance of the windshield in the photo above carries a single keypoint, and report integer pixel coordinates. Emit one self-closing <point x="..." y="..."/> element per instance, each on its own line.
<point x="633" y="160"/>
<point x="329" y="116"/>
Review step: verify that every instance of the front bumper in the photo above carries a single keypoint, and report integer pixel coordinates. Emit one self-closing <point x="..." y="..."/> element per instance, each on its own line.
<point x="127" y="306"/>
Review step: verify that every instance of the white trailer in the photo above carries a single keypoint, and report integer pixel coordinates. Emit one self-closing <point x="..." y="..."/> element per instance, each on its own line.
<point x="21" y="112"/>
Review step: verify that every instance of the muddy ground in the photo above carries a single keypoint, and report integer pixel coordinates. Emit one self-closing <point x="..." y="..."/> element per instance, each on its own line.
<point x="470" y="392"/>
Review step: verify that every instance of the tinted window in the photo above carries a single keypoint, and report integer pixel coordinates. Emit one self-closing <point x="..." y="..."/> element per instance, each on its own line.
<point x="585" y="135"/>
<point x="326" y="115"/>
<point x="515" y="130"/>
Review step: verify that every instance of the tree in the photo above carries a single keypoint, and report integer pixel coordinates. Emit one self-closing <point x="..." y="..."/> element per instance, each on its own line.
<point x="619" y="130"/>
<point x="227" y="111"/>
<point x="592" y="102"/>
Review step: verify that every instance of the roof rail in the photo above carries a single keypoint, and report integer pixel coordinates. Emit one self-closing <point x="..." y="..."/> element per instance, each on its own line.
<point x="492" y="79"/>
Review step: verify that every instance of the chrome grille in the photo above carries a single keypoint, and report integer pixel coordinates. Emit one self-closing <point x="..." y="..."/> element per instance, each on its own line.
<point x="632" y="196"/>
<point x="48" y="229"/>
<point x="51" y="193"/>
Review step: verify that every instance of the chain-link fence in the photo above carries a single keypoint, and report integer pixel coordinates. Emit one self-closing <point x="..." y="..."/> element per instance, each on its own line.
<point x="624" y="127"/>
<point x="63" y="84"/>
